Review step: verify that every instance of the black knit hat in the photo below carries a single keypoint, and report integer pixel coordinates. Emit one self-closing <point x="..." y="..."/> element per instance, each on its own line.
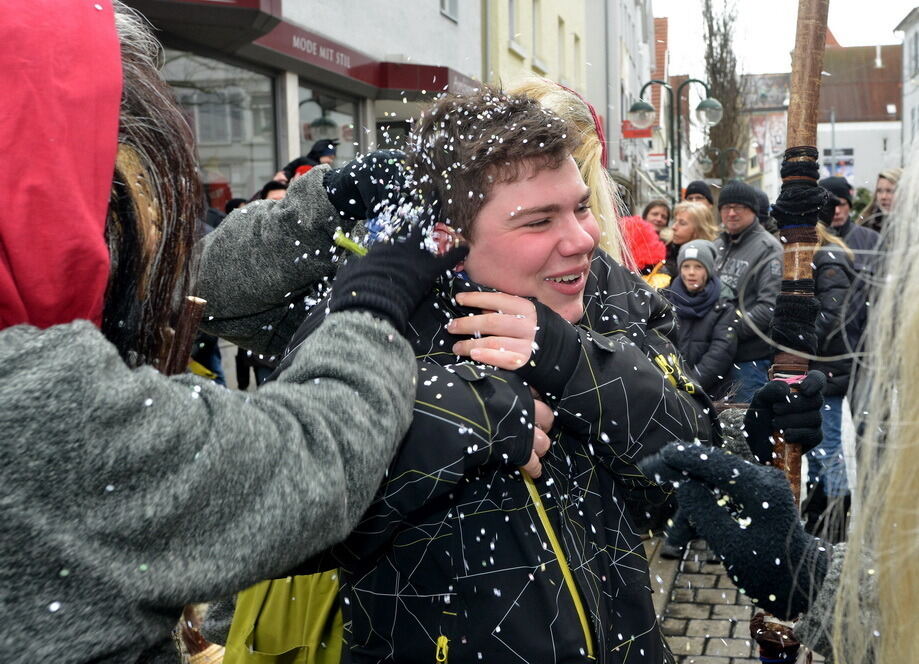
<point x="699" y="187"/>
<point x="738" y="193"/>
<point x="838" y="186"/>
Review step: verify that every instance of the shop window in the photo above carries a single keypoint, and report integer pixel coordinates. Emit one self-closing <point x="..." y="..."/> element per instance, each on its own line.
<point x="331" y="116"/>
<point x="231" y="112"/>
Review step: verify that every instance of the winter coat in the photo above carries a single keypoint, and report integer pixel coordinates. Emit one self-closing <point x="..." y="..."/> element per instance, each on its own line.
<point x="708" y="343"/>
<point x="863" y="241"/>
<point x="670" y="263"/>
<point x="128" y="493"/>
<point x="461" y="557"/>
<point x="839" y="318"/>
<point x="750" y="263"/>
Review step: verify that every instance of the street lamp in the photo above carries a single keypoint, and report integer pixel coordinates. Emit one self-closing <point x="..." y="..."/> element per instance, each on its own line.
<point x="642" y="115"/>
<point x="737" y="166"/>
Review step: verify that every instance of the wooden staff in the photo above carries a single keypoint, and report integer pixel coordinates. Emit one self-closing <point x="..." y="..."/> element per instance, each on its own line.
<point x="191" y="645"/>
<point x="796" y="214"/>
<point x="799" y="236"/>
<point x="183" y="336"/>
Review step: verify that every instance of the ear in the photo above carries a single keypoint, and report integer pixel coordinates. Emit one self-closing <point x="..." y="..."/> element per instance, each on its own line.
<point x="447" y="238"/>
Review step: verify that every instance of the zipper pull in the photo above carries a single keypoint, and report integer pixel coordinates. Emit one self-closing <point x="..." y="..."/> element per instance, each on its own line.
<point x="440" y="654"/>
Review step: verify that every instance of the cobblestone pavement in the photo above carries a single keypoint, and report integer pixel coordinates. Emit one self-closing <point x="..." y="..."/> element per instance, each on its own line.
<point x="705" y="618"/>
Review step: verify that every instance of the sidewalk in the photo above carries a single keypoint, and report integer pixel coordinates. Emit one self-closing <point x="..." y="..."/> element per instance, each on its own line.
<point x="704" y="617"/>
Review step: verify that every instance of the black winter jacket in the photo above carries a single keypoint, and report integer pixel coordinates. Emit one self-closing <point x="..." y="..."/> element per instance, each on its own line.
<point x="460" y="557"/>
<point x="839" y="322"/>
<point x="708" y="344"/>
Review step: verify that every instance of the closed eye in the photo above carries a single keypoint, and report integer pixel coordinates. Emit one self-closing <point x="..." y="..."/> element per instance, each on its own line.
<point x="537" y="223"/>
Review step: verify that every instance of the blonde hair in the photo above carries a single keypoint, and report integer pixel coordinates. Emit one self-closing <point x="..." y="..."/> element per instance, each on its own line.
<point x="825" y="237"/>
<point x="872" y="209"/>
<point x="604" y="198"/>
<point x="702" y="218"/>
<point x="881" y="627"/>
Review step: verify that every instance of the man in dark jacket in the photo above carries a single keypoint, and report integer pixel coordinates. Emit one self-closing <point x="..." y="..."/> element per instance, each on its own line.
<point x="750" y="262"/>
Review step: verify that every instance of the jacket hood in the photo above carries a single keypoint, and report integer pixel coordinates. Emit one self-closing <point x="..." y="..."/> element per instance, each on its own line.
<point x="59" y="137"/>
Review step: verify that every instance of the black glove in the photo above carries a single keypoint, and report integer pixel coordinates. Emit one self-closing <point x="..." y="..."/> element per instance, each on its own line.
<point x="748" y="516"/>
<point x="393" y="278"/>
<point x="796" y="414"/>
<point x="359" y="187"/>
<point x="555" y="355"/>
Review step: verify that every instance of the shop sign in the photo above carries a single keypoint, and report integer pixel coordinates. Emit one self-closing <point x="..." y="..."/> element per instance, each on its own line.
<point x="631" y="131"/>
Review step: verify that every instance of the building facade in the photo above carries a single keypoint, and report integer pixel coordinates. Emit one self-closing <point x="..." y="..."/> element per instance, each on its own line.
<point x="909" y="26"/>
<point x="262" y="80"/>
<point x="859" y="127"/>
<point x="524" y="38"/>
<point x="620" y="48"/>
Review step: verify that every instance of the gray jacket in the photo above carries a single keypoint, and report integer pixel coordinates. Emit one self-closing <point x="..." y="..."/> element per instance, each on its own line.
<point x="127" y="494"/>
<point x="262" y="263"/>
<point x="751" y="264"/>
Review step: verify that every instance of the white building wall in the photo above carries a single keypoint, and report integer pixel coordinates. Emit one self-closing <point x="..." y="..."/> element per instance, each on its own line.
<point x="875" y="146"/>
<point x="620" y="48"/>
<point x="406" y="31"/>
<point x="910" y="114"/>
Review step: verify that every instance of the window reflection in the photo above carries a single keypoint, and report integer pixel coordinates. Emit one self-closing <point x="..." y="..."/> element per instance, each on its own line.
<point x="331" y="116"/>
<point x="231" y="112"/>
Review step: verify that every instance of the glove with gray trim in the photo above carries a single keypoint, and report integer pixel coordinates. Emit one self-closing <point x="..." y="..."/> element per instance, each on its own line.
<point x="747" y="514"/>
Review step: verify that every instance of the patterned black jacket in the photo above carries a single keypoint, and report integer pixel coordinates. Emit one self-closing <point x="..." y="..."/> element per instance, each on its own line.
<point x="460" y="558"/>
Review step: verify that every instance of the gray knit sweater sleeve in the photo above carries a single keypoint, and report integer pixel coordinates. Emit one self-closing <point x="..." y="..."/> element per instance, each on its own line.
<point x="261" y="262"/>
<point x="127" y="494"/>
<point x="816" y="627"/>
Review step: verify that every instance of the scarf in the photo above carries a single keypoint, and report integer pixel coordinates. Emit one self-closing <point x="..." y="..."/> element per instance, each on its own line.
<point x="693" y="305"/>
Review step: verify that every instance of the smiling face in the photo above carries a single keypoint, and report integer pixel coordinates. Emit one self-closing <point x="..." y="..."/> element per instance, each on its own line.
<point x="658" y="217"/>
<point x="535" y="236"/>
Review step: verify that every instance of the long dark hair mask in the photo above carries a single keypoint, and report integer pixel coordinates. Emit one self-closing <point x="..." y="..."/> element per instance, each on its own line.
<point x="155" y="204"/>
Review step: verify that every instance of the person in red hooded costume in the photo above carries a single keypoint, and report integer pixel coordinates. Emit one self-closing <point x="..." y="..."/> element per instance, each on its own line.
<point x="128" y="493"/>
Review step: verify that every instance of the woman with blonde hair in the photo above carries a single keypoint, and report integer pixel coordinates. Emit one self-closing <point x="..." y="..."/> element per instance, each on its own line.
<point x="874" y="215"/>
<point x="691" y="221"/>
<point x="590" y="156"/>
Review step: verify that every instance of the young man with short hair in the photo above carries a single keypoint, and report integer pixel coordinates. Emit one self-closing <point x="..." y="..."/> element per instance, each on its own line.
<point x="461" y="555"/>
<point x="750" y="262"/>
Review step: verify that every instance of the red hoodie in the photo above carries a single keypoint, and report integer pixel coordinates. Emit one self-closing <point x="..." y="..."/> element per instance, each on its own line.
<point x="61" y="82"/>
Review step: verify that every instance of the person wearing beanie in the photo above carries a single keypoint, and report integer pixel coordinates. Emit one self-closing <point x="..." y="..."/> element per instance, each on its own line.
<point x="706" y="312"/>
<point x="698" y="191"/>
<point x="705" y="309"/>
<point x="862" y="240"/>
<point x="322" y="152"/>
<point x="765" y="219"/>
<point x="749" y="260"/>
